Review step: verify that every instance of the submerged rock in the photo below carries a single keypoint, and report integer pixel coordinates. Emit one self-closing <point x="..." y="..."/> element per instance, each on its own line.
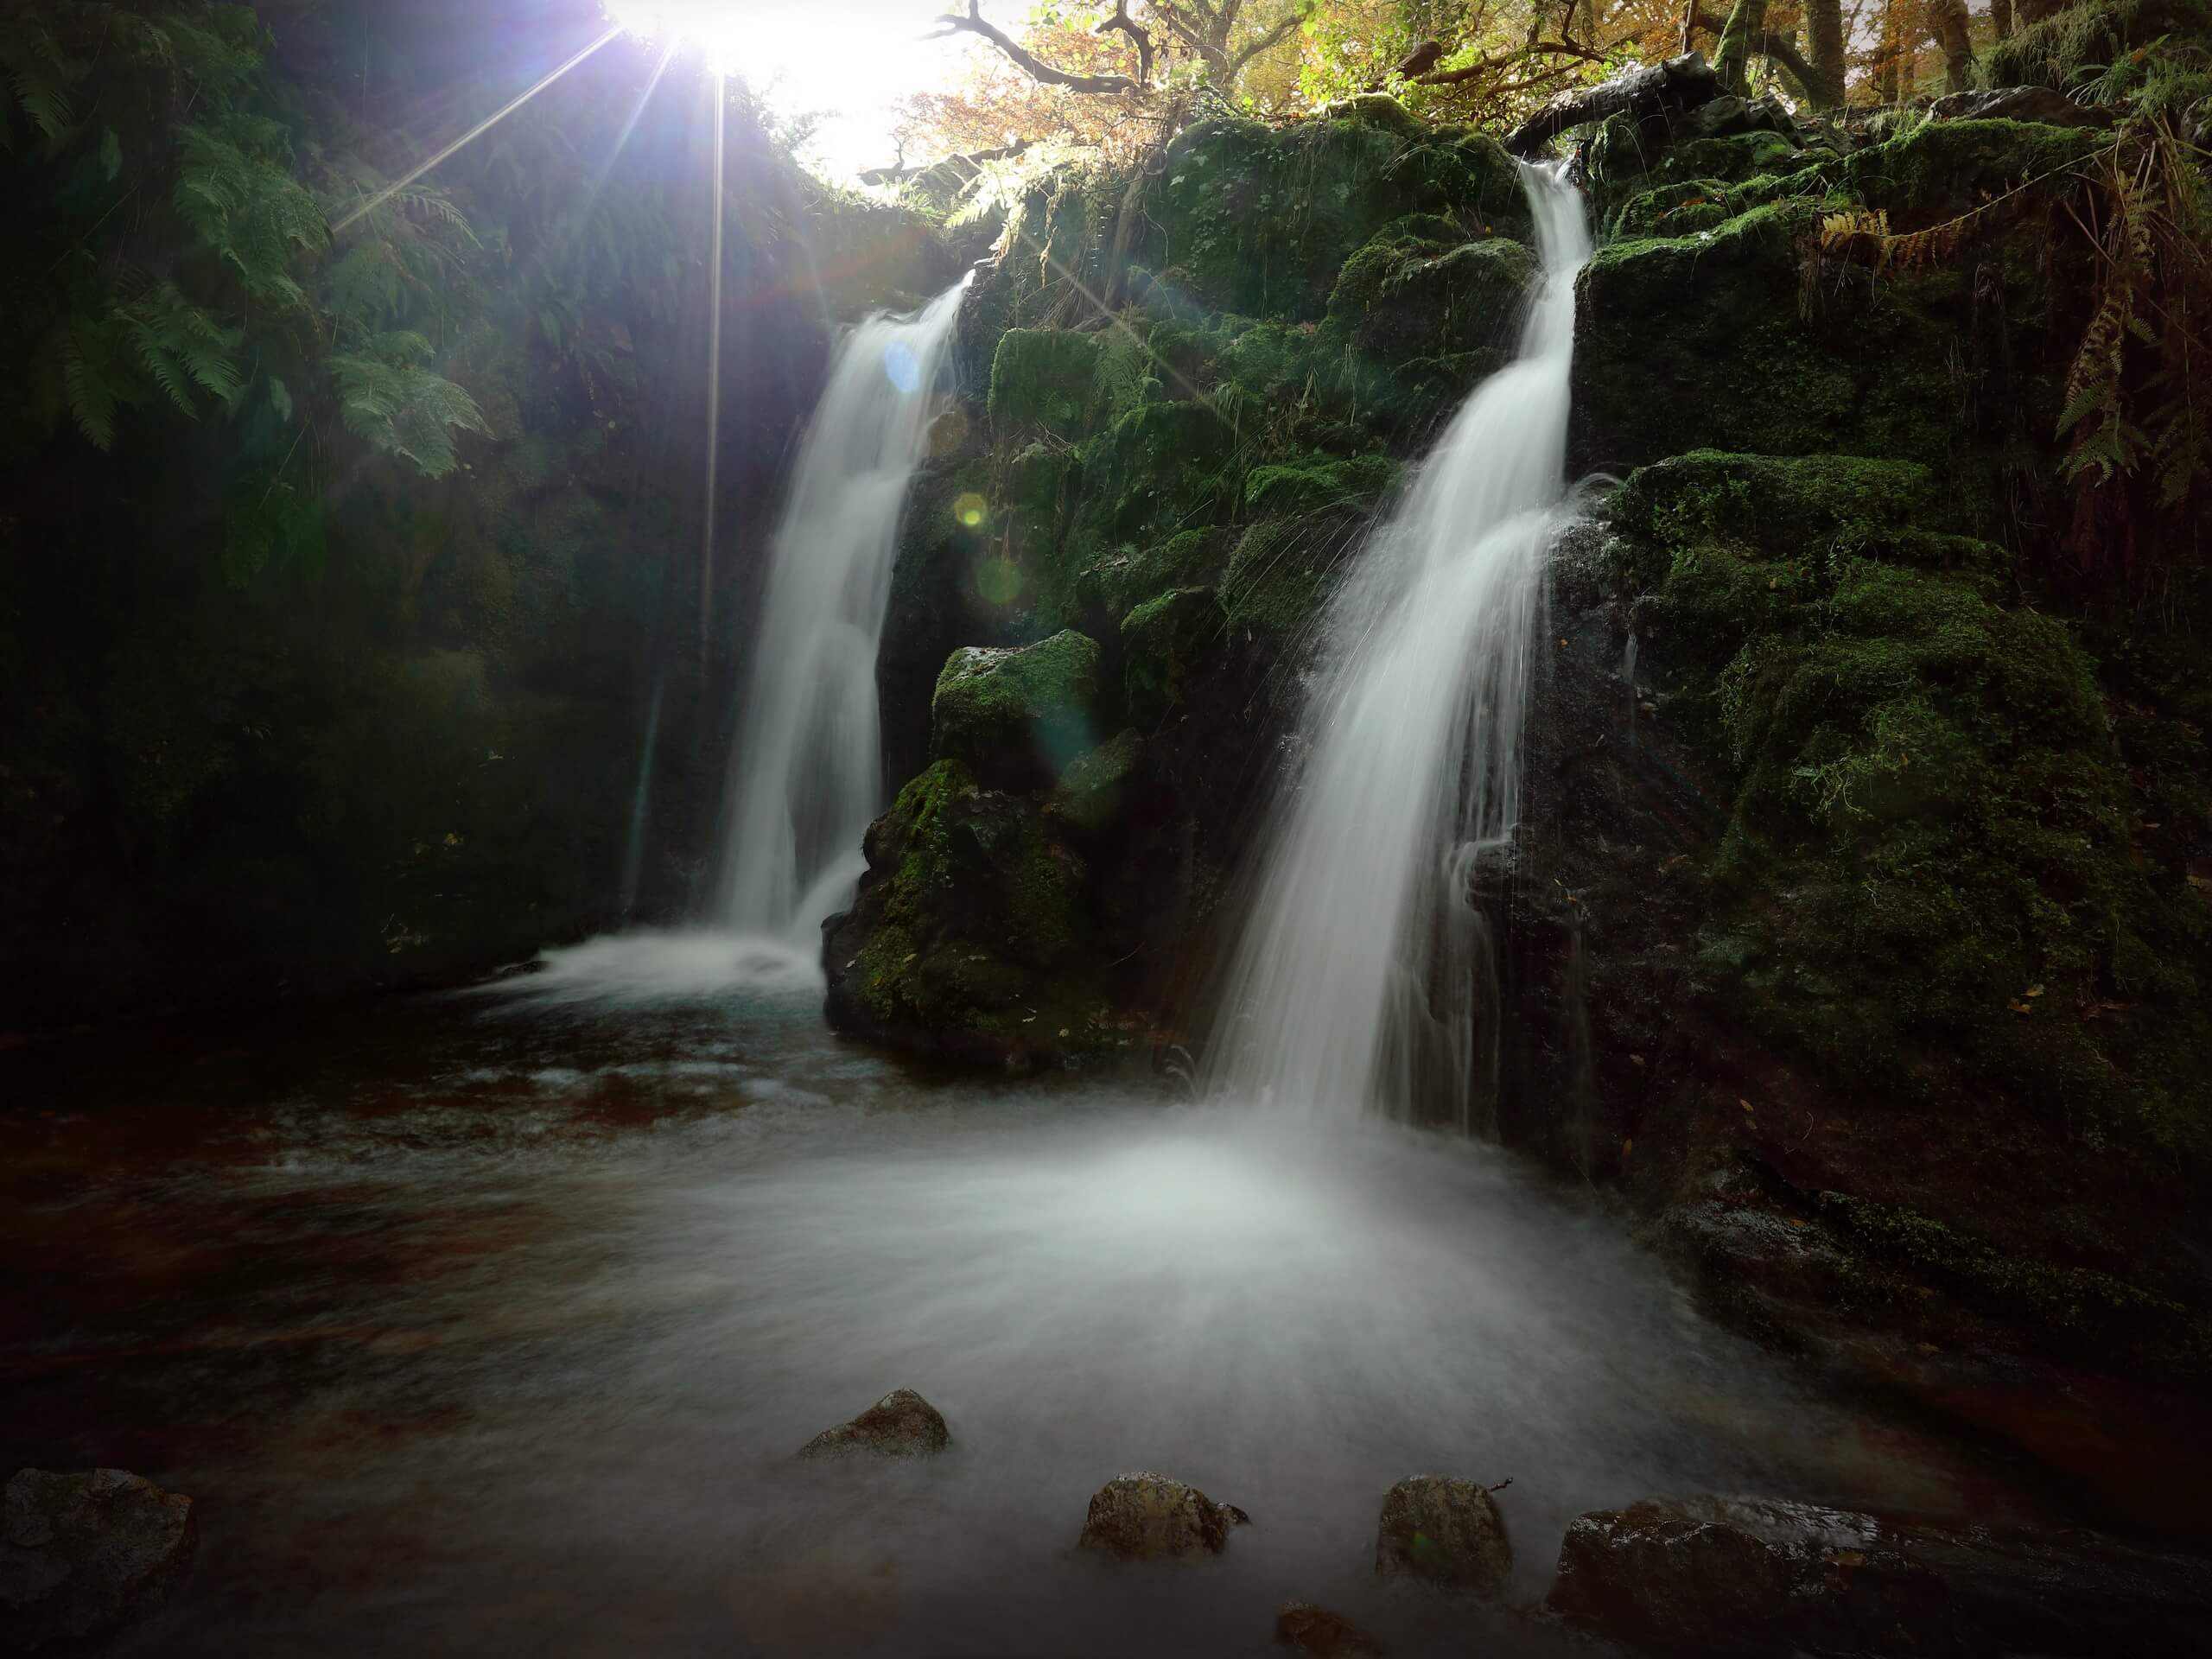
<point x="83" y="1554"/>
<point x="900" y="1425"/>
<point x="1144" y="1517"/>
<point x="1304" y="1628"/>
<point x="1446" y="1531"/>
<point x="1718" y="1576"/>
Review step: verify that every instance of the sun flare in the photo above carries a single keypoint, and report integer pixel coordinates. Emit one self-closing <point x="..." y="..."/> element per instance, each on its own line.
<point x="845" y="64"/>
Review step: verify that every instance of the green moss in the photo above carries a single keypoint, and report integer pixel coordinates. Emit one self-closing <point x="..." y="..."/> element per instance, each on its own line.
<point x="2082" y="1309"/>
<point x="1124" y="577"/>
<point x="1752" y="367"/>
<point x="1740" y="156"/>
<point x="1318" y="485"/>
<point x="2065" y="48"/>
<point x="1398" y="296"/>
<point x="1260" y="220"/>
<point x="1162" y="641"/>
<point x="1099" y="785"/>
<point x="1942" y="168"/>
<point x="1045" y="379"/>
<point x="1017" y="713"/>
<point x="1281" y="573"/>
<point x="1929" y="835"/>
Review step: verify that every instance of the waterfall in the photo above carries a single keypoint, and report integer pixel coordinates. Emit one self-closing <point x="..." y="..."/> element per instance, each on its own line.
<point x="805" y="773"/>
<point x="1366" y="958"/>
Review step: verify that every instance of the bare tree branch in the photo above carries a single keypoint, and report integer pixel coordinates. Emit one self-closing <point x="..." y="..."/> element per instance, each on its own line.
<point x="1122" y="21"/>
<point x="972" y="21"/>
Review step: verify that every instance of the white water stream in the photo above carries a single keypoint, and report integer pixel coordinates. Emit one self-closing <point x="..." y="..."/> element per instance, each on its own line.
<point x="805" y="775"/>
<point x="1361" y="975"/>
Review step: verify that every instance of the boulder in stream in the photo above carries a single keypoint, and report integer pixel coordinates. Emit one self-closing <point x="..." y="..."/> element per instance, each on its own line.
<point x="900" y="1425"/>
<point x="1149" y="1517"/>
<point x="1732" y="1577"/>
<point x="83" y="1554"/>
<point x="1448" y="1532"/>
<point x="1321" y="1634"/>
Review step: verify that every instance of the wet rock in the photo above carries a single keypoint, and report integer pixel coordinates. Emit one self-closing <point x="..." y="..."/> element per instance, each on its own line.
<point x="1017" y="716"/>
<point x="1304" y="1628"/>
<point x="83" y="1554"/>
<point x="1720" y="1576"/>
<point x="1096" y="790"/>
<point x="2052" y="108"/>
<point x="1143" y="1517"/>
<point x="1448" y="1532"/>
<point x="900" y="1425"/>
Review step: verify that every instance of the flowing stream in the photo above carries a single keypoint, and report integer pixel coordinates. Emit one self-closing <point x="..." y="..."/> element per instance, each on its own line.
<point x="1365" y="979"/>
<point x="489" y="1325"/>
<point x="805" y="775"/>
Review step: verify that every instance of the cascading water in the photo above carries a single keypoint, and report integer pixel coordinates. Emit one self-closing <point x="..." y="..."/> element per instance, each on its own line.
<point x="805" y="775"/>
<point x="1366" y="968"/>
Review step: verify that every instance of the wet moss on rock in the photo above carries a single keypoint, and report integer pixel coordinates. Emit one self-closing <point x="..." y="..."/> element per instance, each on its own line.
<point x="1017" y="713"/>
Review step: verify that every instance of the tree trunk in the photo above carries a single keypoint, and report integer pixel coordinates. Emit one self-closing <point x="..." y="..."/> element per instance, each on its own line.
<point x="2026" y="12"/>
<point x="1745" y="23"/>
<point x="2000" y="17"/>
<point x="1947" y="19"/>
<point x="1824" y="37"/>
<point x="1889" y="55"/>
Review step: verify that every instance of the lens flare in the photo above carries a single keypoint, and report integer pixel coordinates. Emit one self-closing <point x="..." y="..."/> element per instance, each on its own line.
<point x="971" y="510"/>
<point x="713" y="28"/>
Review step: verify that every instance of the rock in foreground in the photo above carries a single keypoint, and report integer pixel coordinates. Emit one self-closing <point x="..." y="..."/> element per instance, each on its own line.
<point x="900" y="1425"/>
<point x="1316" y="1631"/>
<point x="83" y="1554"/>
<point x="1149" y="1517"/>
<point x="1715" y="1576"/>
<point x="1448" y="1532"/>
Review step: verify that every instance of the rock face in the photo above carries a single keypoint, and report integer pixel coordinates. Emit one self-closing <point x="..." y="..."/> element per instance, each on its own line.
<point x="1445" y="1531"/>
<point x="900" y="1425"/>
<point x="1145" y="1517"/>
<point x="1304" y="1628"/>
<point x="1017" y="715"/>
<point x="1715" y="1576"/>
<point x="2042" y="104"/>
<point x="81" y="1555"/>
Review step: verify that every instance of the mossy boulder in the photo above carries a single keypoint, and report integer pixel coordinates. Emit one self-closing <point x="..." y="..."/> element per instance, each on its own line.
<point x="1316" y="484"/>
<point x="970" y="935"/>
<point x="1017" y="715"/>
<point x="1281" y="573"/>
<point x="1404" y="295"/>
<point x="1099" y="787"/>
<point x="1740" y="366"/>
<point x="1164" y="641"/>
<point x="1260" y="220"/>
<point x="1044" y="380"/>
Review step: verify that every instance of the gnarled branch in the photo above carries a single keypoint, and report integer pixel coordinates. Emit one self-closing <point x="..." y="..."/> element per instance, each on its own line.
<point x="1266" y="43"/>
<point x="972" y="21"/>
<point x="1122" y="22"/>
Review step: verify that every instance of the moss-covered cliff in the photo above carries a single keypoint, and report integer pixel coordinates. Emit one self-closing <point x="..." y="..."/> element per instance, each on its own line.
<point x="1859" y="929"/>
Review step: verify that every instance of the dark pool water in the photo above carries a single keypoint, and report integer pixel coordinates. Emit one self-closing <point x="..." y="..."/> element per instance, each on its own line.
<point x="488" y="1325"/>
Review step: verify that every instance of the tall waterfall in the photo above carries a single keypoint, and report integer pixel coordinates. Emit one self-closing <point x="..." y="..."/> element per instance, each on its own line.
<point x="1363" y="976"/>
<point x="805" y="775"/>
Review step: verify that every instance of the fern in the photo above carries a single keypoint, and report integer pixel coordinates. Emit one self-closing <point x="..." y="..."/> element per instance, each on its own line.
<point x="399" y="408"/>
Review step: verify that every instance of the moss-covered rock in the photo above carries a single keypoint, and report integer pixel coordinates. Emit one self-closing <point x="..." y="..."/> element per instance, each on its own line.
<point x="1926" y="884"/>
<point x="1163" y="642"/>
<point x="1282" y="575"/>
<point x="1045" y="379"/>
<point x="1017" y="713"/>
<point x="1741" y="366"/>
<point x="1316" y="484"/>
<point x="1402" y="296"/>
<point x="969" y="936"/>
<point x="1260" y="220"/>
<point x="1099" y="786"/>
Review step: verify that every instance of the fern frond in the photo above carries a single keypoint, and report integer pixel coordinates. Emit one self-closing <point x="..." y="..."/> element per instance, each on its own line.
<point x="92" y="398"/>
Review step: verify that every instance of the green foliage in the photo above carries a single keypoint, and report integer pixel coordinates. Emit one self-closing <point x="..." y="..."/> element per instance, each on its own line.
<point x="400" y="407"/>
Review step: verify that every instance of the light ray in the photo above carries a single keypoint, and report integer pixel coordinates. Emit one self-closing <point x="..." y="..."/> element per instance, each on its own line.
<point x="714" y="383"/>
<point x="466" y="138"/>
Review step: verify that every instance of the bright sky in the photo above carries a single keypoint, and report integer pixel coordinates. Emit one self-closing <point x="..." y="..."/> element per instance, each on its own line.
<point x="846" y="59"/>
